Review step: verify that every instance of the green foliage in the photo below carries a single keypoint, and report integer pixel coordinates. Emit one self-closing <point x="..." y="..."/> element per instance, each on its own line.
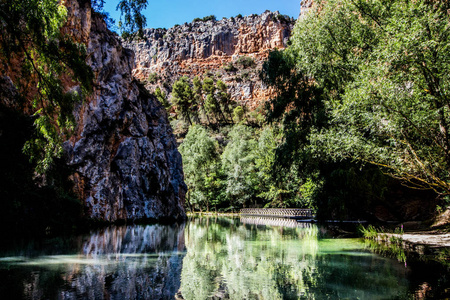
<point x="281" y="18"/>
<point x="384" y="70"/>
<point x="238" y="162"/>
<point x="205" y="19"/>
<point x="153" y="78"/>
<point x="199" y="165"/>
<point x="238" y="172"/>
<point x="183" y="97"/>
<point x="245" y="62"/>
<point x="31" y="33"/>
<point x="132" y="21"/>
<point x="162" y="98"/>
<point x="238" y="114"/>
<point x="203" y="100"/>
<point x="229" y="67"/>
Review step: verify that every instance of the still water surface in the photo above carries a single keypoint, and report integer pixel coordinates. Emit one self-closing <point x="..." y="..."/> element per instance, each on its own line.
<point x="207" y="258"/>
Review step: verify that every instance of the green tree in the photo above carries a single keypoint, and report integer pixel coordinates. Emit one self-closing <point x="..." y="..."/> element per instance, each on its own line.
<point x="183" y="99"/>
<point x="238" y="162"/>
<point x="132" y="21"/>
<point x="211" y="104"/>
<point x="162" y="98"/>
<point x="238" y="114"/>
<point x="199" y="165"/>
<point x="384" y="68"/>
<point x="224" y="98"/>
<point x="36" y="54"/>
<point x="198" y="92"/>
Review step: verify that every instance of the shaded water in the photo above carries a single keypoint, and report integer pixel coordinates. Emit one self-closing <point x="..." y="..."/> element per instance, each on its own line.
<point x="207" y="258"/>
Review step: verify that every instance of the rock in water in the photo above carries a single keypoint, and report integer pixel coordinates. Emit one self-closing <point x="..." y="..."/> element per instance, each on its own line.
<point x="125" y="157"/>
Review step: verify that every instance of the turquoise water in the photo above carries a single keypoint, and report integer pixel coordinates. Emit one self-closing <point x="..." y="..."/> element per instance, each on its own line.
<point x="208" y="258"/>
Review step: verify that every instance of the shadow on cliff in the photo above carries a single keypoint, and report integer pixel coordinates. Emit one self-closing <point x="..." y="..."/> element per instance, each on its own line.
<point x="25" y="207"/>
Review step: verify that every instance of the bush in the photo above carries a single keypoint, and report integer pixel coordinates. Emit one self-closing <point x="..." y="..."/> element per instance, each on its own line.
<point x="152" y="78"/>
<point x="205" y="19"/>
<point x="238" y="114"/>
<point x="229" y="67"/>
<point x="245" y="61"/>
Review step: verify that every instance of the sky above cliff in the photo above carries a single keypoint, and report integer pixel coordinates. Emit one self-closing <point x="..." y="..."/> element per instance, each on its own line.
<point x="167" y="13"/>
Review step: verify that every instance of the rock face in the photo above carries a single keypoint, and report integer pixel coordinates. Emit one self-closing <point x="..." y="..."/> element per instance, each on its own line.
<point x="124" y="154"/>
<point x="214" y="49"/>
<point x="305" y="5"/>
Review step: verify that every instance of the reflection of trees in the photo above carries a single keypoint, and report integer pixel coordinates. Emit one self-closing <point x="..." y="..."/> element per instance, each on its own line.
<point x="240" y="262"/>
<point x="229" y="260"/>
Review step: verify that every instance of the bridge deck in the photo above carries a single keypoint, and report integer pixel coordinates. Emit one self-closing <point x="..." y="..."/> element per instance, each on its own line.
<point x="293" y="213"/>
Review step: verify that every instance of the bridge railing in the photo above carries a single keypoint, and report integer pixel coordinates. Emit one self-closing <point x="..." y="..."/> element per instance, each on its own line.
<point x="279" y="212"/>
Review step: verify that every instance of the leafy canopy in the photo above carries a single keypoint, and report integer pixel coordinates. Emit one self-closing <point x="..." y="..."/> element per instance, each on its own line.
<point x="37" y="56"/>
<point x="384" y="70"/>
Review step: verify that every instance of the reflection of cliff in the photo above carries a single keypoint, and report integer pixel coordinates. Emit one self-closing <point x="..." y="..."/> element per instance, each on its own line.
<point x="133" y="262"/>
<point x="231" y="261"/>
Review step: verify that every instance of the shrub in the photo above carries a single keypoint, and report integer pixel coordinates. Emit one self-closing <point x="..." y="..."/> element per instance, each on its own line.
<point x="152" y="78"/>
<point x="238" y="114"/>
<point x="245" y="61"/>
<point x="205" y="19"/>
<point x="229" y="67"/>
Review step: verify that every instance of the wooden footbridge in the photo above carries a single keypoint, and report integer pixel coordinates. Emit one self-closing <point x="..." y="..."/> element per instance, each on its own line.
<point x="291" y="213"/>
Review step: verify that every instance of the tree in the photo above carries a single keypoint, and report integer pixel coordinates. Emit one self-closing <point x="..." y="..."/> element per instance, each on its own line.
<point x="211" y="104"/>
<point x="183" y="99"/>
<point x="162" y="98"/>
<point x="36" y="55"/>
<point x="224" y="98"/>
<point x="132" y="21"/>
<point x="384" y="69"/>
<point x="238" y="162"/>
<point x="199" y="157"/>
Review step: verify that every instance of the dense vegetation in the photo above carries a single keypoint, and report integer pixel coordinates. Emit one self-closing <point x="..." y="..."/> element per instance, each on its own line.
<point x="362" y="92"/>
<point x="363" y="88"/>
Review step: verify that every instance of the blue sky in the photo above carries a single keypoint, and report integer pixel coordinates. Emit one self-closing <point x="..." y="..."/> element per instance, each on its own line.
<point x="167" y="13"/>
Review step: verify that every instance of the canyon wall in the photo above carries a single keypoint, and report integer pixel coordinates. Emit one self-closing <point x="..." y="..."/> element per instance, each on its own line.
<point x="124" y="155"/>
<point x="218" y="49"/>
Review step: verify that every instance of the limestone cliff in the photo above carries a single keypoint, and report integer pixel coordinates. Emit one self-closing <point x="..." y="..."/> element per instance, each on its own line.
<point x="124" y="155"/>
<point x="215" y="49"/>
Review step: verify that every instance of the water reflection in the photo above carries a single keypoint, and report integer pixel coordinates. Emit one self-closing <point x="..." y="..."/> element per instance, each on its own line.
<point x="228" y="260"/>
<point x="135" y="262"/>
<point x="212" y="258"/>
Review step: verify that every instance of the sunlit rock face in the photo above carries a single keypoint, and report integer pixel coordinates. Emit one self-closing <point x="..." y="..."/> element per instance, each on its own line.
<point x="207" y="48"/>
<point x="125" y="157"/>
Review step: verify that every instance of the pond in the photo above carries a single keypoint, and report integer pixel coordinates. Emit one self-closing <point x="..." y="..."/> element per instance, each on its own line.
<point x="210" y="258"/>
